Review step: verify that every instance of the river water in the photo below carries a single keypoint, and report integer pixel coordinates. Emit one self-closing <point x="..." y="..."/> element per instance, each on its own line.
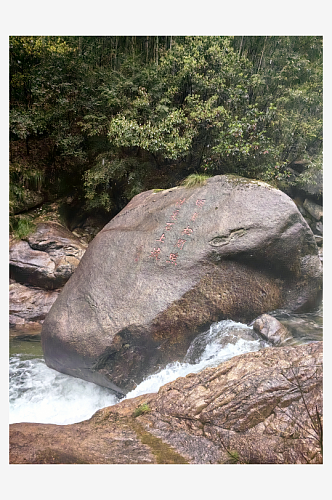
<point x="42" y="395"/>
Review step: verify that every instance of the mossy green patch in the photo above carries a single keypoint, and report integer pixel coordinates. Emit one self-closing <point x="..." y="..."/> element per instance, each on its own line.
<point x="144" y="408"/>
<point x="162" y="451"/>
<point x="22" y="228"/>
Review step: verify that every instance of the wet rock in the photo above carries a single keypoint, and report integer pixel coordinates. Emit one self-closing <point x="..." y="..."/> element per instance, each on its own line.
<point x="47" y="259"/>
<point x="270" y="329"/>
<point x="298" y="165"/>
<point x="263" y="407"/>
<point x="316" y="211"/>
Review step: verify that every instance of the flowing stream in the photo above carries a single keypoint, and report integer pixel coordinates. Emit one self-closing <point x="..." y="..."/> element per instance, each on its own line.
<point x="42" y="395"/>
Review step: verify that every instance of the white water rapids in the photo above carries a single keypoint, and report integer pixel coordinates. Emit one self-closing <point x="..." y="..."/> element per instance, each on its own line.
<point x="42" y="395"/>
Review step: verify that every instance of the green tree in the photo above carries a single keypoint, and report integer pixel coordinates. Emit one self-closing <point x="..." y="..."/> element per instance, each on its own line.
<point x="110" y="116"/>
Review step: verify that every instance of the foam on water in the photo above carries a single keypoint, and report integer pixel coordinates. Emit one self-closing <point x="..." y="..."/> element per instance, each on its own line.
<point x="213" y="354"/>
<point x="40" y="394"/>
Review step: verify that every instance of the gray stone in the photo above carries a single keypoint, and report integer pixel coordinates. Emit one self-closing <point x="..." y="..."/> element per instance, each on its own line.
<point x="316" y="211"/>
<point x="47" y="259"/>
<point x="270" y="329"/>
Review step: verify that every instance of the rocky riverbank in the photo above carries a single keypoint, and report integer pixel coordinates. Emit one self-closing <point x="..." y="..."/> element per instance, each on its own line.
<point x="263" y="407"/>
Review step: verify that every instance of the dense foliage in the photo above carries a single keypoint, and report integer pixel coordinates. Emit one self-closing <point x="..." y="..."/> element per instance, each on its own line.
<point x="104" y="118"/>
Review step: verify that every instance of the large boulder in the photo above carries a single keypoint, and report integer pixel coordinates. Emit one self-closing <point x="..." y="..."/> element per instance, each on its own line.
<point x="171" y="263"/>
<point x="263" y="407"/>
<point x="47" y="258"/>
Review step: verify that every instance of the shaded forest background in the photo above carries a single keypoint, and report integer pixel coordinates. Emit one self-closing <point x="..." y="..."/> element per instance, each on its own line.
<point x="102" y="118"/>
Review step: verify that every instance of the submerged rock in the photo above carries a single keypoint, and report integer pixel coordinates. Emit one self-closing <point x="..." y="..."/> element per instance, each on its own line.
<point x="263" y="407"/>
<point x="171" y="263"/>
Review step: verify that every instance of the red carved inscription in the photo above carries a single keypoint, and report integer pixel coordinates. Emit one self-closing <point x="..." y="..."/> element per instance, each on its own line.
<point x="162" y="238"/>
<point x="187" y="230"/>
<point x="172" y="258"/>
<point x="180" y="243"/>
<point x="155" y="253"/>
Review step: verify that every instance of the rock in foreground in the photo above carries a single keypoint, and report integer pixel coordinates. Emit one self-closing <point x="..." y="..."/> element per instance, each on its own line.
<point x="263" y="407"/>
<point x="171" y="263"/>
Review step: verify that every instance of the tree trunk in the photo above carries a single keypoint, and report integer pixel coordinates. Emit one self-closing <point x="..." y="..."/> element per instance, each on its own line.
<point x="116" y="50"/>
<point x="240" y="47"/>
<point x="260" y="62"/>
<point x="147" y="48"/>
<point x="133" y="45"/>
<point x="157" y="49"/>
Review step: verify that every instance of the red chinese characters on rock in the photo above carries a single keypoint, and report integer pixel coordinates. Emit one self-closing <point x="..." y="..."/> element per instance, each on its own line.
<point x="180" y="243"/>
<point x="162" y="238"/>
<point x="199" y="203"/>
<point x="172" y="258"/>
<point x="187" y="230"/>
<point x="155" y="253"/>
<point x="175" y="214"/>
<point x="168" y="226"/>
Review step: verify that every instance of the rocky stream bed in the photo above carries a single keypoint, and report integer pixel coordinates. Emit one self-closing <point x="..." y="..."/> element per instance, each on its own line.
<point x="186" y="376"/>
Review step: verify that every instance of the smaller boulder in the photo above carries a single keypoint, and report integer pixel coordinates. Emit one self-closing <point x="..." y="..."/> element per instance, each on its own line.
<point x="270" y="329"/>
<point x="47" y="259"/>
